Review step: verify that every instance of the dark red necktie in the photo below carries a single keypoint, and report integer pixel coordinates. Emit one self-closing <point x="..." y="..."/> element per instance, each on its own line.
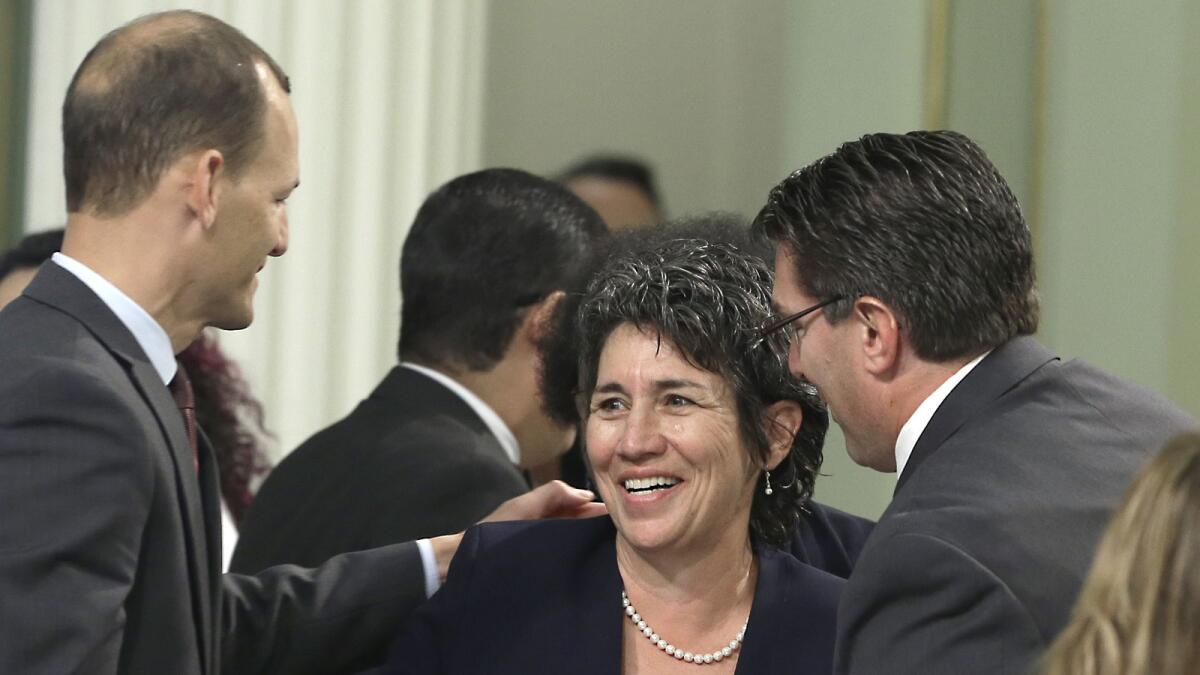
<point x="185" y="399"/>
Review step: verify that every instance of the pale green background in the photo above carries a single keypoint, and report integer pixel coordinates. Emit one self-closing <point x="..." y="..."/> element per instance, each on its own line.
<point x="1089" y="109"/>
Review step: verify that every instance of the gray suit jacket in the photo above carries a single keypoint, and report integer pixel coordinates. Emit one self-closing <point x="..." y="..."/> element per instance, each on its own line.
<point x="976" y="563"/>
<point x="110" y="546"/>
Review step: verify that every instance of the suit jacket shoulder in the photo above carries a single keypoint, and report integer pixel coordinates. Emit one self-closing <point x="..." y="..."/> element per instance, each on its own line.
<point x="411" y="461"/>
<point x="976" y="563"/>
<point x="107" y="523"/>
<point x="555" y="587"/>
<point x="830" y="539"/>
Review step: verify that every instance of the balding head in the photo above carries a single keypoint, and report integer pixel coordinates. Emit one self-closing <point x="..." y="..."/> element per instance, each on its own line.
<point x="151" y="91"/>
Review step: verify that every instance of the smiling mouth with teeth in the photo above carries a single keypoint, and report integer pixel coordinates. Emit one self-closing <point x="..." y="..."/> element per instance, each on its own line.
<point x="651" y="484"/>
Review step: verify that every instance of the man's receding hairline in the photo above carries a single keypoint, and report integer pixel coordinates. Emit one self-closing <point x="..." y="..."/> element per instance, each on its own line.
<point x="114" y="48"/>
<point x="97" y="75"/>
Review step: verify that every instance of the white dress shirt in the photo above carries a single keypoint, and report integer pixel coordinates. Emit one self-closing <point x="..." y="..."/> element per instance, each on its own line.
<point x="915" y="426"/>
<point x="149" y="335"/>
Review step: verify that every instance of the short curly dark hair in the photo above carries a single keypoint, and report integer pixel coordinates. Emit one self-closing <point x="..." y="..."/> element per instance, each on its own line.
<point x="708" y="297"/>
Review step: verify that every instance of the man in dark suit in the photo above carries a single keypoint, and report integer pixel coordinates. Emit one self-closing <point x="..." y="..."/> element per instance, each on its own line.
<point x="443" y="439"/>
<point x="904" y="277"/>
<point x="180" y="153"/>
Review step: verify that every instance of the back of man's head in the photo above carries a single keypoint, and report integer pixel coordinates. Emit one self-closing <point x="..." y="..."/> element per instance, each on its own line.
<point x="922" y="221"/>
<point x="152" y="91"/>
<point x="483" y="248"/>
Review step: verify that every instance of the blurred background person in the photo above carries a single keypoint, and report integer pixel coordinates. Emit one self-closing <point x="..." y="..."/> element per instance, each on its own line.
<point x="445" y="437"/>
<point x="705" y="451"/>
<point x="21" y="262"/>
<point x="1139" y="610"/>
<point x="621" y="188"/>
<point x="229" y="414"/>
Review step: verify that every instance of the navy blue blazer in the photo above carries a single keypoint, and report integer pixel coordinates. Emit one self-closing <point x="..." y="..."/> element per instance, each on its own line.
<point x="545" y="596"/>
<point x="829" y="540"/>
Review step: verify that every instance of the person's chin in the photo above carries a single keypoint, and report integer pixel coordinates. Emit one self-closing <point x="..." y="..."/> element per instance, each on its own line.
<point x="648" y="517"/>
<point x="642" y="535"/>
<point x="237" y="319"/>
<point x="883" y="461"/>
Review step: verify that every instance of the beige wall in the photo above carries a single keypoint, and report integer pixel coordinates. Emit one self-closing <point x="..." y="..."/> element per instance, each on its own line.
<point x="692" y="85"/>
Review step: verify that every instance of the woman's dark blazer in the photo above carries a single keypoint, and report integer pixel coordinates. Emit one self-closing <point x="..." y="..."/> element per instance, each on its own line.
<point x="545" y="597"/>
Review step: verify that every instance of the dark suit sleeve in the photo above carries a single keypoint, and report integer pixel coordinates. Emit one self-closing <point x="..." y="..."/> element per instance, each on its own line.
<point x="338" y="617"/>
<point x="926" y="608"/>
<point x="75" y="489"/>
<point x="428" y="641"/>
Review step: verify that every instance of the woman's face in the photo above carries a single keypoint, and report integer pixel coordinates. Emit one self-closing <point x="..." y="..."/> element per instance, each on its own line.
<point x="664" y="443"/>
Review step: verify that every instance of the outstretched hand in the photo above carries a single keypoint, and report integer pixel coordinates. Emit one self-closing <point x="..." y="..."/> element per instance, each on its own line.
<point x="555" y="499"/>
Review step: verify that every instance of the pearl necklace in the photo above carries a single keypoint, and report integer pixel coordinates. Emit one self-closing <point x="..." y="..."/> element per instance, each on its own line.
<point x="671" y="650"/>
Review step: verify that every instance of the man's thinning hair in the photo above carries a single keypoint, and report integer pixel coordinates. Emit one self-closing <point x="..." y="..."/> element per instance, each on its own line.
<point x="483" y="249"/>
<point x="152" y="91"/>
<point x="922" y="221"/>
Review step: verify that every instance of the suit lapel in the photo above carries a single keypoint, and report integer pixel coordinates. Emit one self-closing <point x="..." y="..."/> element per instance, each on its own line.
<point x="59" y="288"/>
<point x="763" y="630"/>
<point x="210" y="497"/>
<point x="600" y="621"/>
<point x="1000" y="371"/>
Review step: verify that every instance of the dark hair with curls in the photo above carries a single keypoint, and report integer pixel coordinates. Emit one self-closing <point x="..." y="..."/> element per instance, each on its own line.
<point x="708" y="297"/>
<point x="922" y="221"/>
<point x="230" y="417"/>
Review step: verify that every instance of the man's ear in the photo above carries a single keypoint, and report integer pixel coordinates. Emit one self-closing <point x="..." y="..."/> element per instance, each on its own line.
<point x="204" y="172"/>
<point x="878" y="332"/>
<point x="539" y="320"/>
<point x="782" y="420"/>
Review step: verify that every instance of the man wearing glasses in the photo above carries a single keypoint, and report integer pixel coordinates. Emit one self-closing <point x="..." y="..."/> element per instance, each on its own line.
<point x="904" y="277"/>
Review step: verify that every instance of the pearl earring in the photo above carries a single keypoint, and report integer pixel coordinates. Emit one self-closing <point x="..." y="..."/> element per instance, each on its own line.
<point x="768" y="491"/>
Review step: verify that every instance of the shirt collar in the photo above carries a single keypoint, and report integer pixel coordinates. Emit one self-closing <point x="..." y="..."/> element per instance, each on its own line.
<point x="494" y="423"/>
<point x="915" y="426"/>
<point x="149" y="334"/>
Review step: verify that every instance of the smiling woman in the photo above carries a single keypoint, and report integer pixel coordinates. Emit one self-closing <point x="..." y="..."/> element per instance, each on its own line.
<point x="705" y="451"/>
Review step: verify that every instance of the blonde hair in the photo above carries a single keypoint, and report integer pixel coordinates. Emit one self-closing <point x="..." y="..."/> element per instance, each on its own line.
<point x="1139" y="611"/>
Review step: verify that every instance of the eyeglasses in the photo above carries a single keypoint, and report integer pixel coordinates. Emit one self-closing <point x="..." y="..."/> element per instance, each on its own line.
<point x="776" y="324"/>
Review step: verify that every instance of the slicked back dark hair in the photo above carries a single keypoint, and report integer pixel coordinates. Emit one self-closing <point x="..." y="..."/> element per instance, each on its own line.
<point x="482" y="248"/>
<point x="152" y="91"/>
<point x="922" y="221"/>
<point x="616" y="168"/>
<point x="708" y="297"/>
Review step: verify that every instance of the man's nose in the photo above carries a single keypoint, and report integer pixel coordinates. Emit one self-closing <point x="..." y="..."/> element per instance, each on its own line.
<point x="281" y="242"/>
